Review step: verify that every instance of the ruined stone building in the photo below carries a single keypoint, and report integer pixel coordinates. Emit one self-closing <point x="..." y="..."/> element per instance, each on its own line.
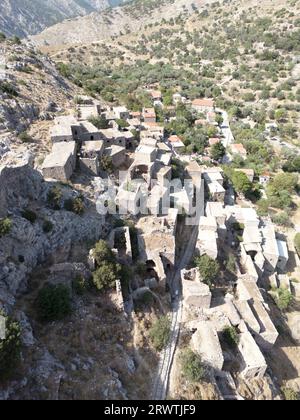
<point x="60" y="163"/>
<point x="91" y="152"/>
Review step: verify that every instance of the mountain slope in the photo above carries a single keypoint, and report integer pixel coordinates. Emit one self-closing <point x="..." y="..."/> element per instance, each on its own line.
<point x="25" y="17"/>
<point x="130" y="17"/>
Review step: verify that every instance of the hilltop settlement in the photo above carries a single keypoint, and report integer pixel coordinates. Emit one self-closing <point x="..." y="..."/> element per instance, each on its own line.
<point x="134" y="253"/>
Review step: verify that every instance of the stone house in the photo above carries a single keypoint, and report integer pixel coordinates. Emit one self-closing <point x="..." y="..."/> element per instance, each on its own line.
<point x="205" y="342"/>
<point x="254" y="365"/>
<point x="238" y="149"/>
<point x="117" y="154"/>
<point x="203" y="105"/>
<point x="149" y="115"/>
<point x="91" y="152"/>
<point x="60" y="163"/>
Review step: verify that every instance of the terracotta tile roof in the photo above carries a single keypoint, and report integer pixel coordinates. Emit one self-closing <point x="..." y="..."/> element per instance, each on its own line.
<point x="204" y="102"/>
<point x="174" y="139"/>
<point x="213" y="141"/>
<point x="200" y="122"/>
<point x="156" y="94"/>
<point x="238" y="148"/>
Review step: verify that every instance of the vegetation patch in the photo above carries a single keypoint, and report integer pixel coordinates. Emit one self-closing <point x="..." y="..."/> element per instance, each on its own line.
<point x="160" y="333"/>
<point x="54" y="303"/>
<point x="192" y="367"/>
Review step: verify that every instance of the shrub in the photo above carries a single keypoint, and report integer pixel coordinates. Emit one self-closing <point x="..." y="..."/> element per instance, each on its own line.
<point x="80" y="285"/>
<point x="78" y="206"/>
<point x="230" y="336"/>
<point x="75" y="205"/>
<point x="5" y="226"/>
<point x="54" y="302"/>
<point x="2" y="37"/>
<point x="10" y="347"/>
<point x="241" y="183"/>
<point x="192" y="366"/>
<point x="99" y="122"/>
<point x="263" y="207"/>
<point x="160" y="333"/>
<point x="231" y="264"/>
<point x="283" y="298"/>
<point x="47" y="226"/>
<point x="25" y="137"/>
<point x="248" y="97"/>
<point x="102" y="253"/>
<point x="8" y="88"/>
<point x="209" y="269"/>
<point x="290" y="394"/>
<point x="282" y="219"/>
<point x="54" y="197"/>
<point x="106" y="275"/>
<point x="107" y="164"/>
<point x="122" y="123"/>
<point x="217" y="151"/>
<point x="29" y="215"/>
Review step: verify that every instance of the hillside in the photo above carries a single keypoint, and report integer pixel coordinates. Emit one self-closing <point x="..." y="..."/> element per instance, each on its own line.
<point x="239" y="53"/>
<point x="31" y="91"/>
<point x="130" y="17"/>
<point x="92" y="353"/>
<point x="22" y="18"/>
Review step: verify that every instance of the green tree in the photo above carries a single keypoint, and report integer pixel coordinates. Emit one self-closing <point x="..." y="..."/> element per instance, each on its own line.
<point x="99" y="122"/>
<point x="54" y="302"/>
<point x="103" y="253"/>
<point x="192" y="366"/>
<point x="284" y="181"/>
<point x="122" y="123"/>
<point x="106" y="275"/>
<point x="230" y="336"/>
<point x="241" y="183"/>
<point x="209" y="269"/>
<point x="263" y="207"/>
<point x="217" y="151"/>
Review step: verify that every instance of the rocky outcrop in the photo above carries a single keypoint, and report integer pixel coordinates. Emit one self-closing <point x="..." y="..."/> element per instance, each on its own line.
<point x="17" y="115"/>
<point x="27" y="245"/>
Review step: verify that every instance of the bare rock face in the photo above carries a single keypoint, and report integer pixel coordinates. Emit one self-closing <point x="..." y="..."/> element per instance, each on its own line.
<point x="23" y="17"/>
<point x="18" y="185"/>
<point x="18" y="115"/>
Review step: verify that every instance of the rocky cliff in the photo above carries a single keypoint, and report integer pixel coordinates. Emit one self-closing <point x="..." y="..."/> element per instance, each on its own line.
<point x="24" y="17"/>
<point x="131" y="17"/>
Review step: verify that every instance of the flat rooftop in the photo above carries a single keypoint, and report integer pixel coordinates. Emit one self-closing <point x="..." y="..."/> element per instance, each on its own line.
<point x="60" y="154"/>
